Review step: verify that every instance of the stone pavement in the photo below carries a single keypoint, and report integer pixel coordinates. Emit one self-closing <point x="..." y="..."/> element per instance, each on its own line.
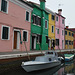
<point x="14" y="54"/>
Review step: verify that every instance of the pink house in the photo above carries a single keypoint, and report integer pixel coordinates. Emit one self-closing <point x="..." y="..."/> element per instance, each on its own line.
<point x="15" y="25"/>
<point x="59" y="30"/>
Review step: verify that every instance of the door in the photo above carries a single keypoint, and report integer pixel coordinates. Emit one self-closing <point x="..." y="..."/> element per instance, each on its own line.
<point x="33" y="42"/>
<point x="15" y="39"/>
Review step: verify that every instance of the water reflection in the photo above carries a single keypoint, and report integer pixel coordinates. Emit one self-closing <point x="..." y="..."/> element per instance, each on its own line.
<point x="68" y="68"/>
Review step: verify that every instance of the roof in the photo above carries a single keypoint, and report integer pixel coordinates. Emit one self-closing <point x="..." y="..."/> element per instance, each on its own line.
<point x="70" y="30"/>
<point x="60" y="15"/>
<point x="50" y="11"/>
<point x="26" y="3"/>
<point x="38" y="5"/>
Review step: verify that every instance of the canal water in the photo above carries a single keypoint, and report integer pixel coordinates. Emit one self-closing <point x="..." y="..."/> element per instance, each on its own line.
<point x="68" y="68"/>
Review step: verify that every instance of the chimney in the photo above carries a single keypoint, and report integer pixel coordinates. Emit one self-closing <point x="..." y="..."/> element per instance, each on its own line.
<point x="59" y="11"/>
<point x="42" y="4"/>
<point x="67" y="27"/>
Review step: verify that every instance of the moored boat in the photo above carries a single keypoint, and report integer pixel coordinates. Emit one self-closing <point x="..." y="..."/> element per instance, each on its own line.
<point x="49" y="60"/>
<point x="68" y="57"/>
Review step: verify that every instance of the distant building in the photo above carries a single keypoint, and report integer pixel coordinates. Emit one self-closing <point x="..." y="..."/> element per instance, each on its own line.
<point x="72" y="30"/>
<point x="59" y="30"/>
<point x="15" y="25"/>
<point x="39" y="26"/>
<point x="69" y="38"/>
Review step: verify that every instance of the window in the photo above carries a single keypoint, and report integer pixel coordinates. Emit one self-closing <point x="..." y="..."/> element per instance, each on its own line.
<point x="47" y="39"/>
<point x="62" y="32"/>
<point x="49" y="59"/>
<point x="66" y="42"/>
<point x="4" y="5"/>
<point x="5" y="32"/>
<point x="52" y="29"/>
<point x="57" y="42"/>
<point x="27" y="16"/>
<point x="69" y="42"/>
<point x="36" y="20"/>
<point x="46" y="24"/>
<point x="25" y="36"/>
<point x="56" y="18"/>
<point x="39" y="37"/>
<point x="72" y="42"/>
<point x="53" y="18"/>
<point x="69" y="33"/>
<point x="72" y="34"/>
<point x="65" y="32"/>
<point x="57" y="31"/>
<point x="62" y="21"/>
<point x="39" y="21"/>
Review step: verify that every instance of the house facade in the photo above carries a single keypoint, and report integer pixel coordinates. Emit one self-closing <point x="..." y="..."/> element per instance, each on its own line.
<point x="73" y="29"/>
<point x="15" y="25"/>
<point x="51" y="30"/>
<point x="69" y="38"/>
<point x="39" y="27"/>
<point x="59" y="30"/>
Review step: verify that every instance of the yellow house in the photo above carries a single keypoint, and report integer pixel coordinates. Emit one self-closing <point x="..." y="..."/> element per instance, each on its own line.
<point x="69" y="38"/>
<point x="51" y="30"/>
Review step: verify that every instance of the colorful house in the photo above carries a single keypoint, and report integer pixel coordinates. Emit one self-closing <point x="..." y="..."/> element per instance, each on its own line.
<point x="69" y="38"/>
<point x="51" y="29"/>
<point x="59" y="30"/>
<point x="73" y="29"/>
<point x="39" y="27"/>
<point x="15" y="25"/>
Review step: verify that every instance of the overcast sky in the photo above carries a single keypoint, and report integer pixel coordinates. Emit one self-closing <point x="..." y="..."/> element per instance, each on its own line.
<point x="67" y="6"/>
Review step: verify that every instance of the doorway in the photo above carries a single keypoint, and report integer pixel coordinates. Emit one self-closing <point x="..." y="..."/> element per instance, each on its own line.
<point x="33" y="42"/>
<point x="16" y="39"/>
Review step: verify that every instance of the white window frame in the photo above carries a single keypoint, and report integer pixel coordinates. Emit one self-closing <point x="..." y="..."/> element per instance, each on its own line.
<point x="53" y="29"/>
<point x="27" y="35"/>
<point x="8" y="32"/>
<point x="7" y="6"/>
<point x="47" y="24"/>
<point x="29" y="16"/>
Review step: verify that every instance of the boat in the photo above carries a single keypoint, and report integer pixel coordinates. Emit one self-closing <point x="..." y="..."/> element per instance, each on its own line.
<point x="48" y="60"/>
<point x="61" y="59"/>
<point x="68" y="57"/>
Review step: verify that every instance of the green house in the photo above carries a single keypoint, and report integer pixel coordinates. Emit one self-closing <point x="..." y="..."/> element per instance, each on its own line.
<point x="39" y="27"/>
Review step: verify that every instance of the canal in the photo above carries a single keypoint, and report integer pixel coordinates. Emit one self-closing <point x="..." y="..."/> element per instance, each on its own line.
<point x="68" y="68"/>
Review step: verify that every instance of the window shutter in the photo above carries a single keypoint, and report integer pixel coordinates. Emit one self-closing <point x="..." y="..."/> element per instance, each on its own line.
<point x="2" y="5"/>
<point x="5" y="33"/>
<point x="27" y="16"/>
<point x="24" y="36"/>
<point x="5" y="6"/>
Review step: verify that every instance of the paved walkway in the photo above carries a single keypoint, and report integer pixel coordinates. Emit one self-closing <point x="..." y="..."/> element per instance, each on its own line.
<point x="5" y="55"/>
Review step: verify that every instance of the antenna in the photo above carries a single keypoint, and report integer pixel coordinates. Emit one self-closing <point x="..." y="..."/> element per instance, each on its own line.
<point x="59" y="5"/>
